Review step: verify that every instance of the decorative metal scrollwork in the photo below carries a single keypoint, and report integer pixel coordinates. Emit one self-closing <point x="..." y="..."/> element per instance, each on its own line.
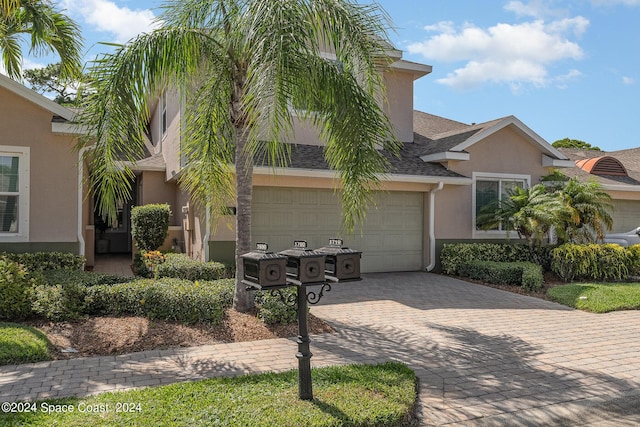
<point x="314" y="298"/>
<point x="290" y="300"/>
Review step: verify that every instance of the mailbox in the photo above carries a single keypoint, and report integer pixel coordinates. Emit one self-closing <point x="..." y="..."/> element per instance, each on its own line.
<point x="264" y="269"/>
<point x="304" y="265"/>
<point x="341" y="263"/>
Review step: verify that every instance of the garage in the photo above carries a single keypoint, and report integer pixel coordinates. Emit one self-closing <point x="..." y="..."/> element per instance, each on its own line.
<point x="626" y="215"/>
<point x="391" y="239"/>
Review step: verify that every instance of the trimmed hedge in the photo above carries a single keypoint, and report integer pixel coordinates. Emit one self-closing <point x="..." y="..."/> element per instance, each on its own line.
<point x="150" y="225"/>
<point x="42" y="261"/>
<point x="525" y="274"/>
<point x="181" y="266"/>
<point x="166" y="298"/>
<point x="454" y="255"/>
<point x="593" y="262"/>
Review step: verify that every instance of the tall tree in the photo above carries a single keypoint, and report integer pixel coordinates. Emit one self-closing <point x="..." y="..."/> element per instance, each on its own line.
<point x="574" y="143"/>
<point x="49" y="80"/>
<point x="242" y="65"/>
<point x="49" y="30"/>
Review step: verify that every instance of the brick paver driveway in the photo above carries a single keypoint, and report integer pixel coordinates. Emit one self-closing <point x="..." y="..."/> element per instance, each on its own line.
<point x="483" y="356"/>
<point x="491" y="357"/>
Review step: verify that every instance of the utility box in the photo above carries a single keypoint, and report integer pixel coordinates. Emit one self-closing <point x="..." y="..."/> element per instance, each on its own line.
<point x="304" y="265"/>
<point x="262" y="269"/>
<point x="341" y="262"/>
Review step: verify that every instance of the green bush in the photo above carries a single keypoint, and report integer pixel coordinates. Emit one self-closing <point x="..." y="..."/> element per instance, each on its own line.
<point x="272" y="309"/>
<point x="525" y="274"/>
<point x="59" y="302"/>
<point x="42" y="261"/>
<point x="634" y="260"/>
<point x="86" y="278"/>
<point x="454" y="255"/>
<point x="181" y="266"/>
<point x="139" y="267"/>
<point x="591" y="262"/>
<point x="15" y="284"/>
<point x="167" y="298"/>
<point x="150" y="225"/>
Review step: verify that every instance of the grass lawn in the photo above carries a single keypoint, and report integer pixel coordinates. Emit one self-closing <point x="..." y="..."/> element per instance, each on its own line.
<point x="22" y="344"/>
<point x="598" y="297"/>
<point x="355" y="395"/>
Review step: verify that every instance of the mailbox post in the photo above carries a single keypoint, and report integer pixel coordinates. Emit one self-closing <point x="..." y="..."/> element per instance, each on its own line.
<point x="301" y="267"/>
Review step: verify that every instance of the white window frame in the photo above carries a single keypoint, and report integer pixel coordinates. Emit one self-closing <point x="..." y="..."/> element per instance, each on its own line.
<point x="488" y="176"/>
<point x="24" y="159"/>
<point x="163" y="117"/>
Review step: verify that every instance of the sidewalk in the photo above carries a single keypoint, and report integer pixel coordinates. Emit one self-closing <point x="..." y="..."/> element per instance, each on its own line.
<point x="483" y="356"/>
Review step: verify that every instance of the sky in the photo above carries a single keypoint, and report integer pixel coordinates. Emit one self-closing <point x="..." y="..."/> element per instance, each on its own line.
<point x="567" y="69"/>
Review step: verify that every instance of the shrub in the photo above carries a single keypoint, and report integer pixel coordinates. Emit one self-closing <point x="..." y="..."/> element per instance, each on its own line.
<point x="42" y="261"/>
<point x="183" y="267"/>
<point x="59" y="302"/>
<point x="167" y="298"/>
<point x="150" y="225"/>
<point x="634" y="260"/>
<point x="591" y="262"/>
<point x="525" y="274"/>
<point x="86" y="278"/>
<point x="272" y="309"/>
<point x="454" y="255"/>
<point x="15" y="284"/>
<point x="140" y="267"/>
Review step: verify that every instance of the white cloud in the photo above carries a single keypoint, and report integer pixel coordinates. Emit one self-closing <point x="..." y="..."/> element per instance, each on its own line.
<point x="106" y="16"/>
<point x="514" y="54"/>
<point x="628" y="80"/>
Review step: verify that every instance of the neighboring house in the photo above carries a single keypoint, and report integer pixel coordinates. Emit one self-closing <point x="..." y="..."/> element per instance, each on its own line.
<point x="40" y="206"/>
<point x="619" y="174"/>
<point x="446" y="171"/>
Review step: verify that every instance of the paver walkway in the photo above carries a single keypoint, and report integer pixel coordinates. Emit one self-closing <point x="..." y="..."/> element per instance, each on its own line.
<point x="483" y="356"/>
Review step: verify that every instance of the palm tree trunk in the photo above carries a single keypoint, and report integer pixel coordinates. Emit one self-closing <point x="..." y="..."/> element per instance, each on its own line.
<point x="243" y="299"/>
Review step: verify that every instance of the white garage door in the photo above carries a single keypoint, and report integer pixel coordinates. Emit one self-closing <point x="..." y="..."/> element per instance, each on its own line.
<point x="391" y="239"/>
<point x="626" y="215"/>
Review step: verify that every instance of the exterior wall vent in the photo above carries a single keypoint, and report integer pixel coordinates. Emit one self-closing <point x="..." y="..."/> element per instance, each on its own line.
<point x="605" y="165"/>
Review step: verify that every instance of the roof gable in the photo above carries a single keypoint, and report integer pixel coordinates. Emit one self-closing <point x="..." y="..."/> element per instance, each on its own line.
<point x="34" y="97"/>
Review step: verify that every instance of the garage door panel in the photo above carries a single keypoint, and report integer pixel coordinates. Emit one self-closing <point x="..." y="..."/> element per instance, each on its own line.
<point x="391" y="238"/>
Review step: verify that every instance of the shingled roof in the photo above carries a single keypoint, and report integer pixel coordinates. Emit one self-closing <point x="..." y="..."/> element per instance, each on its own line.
<point x="630" y="159"/>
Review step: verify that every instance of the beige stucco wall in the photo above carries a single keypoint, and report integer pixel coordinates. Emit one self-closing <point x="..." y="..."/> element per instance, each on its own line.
<point x="504" y="152"/>
<point x="399" y="106"/>
<point x="53" y="168"/>
<point x="152" y="188"/>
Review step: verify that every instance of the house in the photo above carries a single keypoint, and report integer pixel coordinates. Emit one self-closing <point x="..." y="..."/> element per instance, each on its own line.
<point x="445" y="173"/>
<point x="41" y="207"/>
<point x="619" y="174"/>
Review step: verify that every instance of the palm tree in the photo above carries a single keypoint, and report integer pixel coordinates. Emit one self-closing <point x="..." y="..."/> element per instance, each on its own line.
<point x="242" y="65"/>
<point x="530" y="212"/>
<point x="49" y="30"/>
<point x="586" y="216"/>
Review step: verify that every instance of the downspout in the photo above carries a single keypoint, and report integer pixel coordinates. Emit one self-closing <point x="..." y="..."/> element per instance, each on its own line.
<point x="81" y="241"/>
<point x="207" y="234"/>
<point x="432" y="226"/>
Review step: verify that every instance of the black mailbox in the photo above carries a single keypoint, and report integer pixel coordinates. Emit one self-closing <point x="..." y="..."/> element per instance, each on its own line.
<point x="341" y="263"/>
<point x="304" y="265"/>
<point x="264" y="269"/>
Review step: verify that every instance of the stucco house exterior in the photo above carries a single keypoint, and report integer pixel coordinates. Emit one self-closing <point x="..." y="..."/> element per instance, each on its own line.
<point x="445" y="172"/>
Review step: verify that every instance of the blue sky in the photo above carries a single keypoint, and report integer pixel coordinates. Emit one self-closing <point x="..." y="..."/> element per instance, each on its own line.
<point x="565" y="68"/>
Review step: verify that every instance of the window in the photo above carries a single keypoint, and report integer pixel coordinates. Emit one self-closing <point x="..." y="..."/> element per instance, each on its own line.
<point x="14" y="197"/>
<point x="163" y="114"/>
<point x="489" y="190"/>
